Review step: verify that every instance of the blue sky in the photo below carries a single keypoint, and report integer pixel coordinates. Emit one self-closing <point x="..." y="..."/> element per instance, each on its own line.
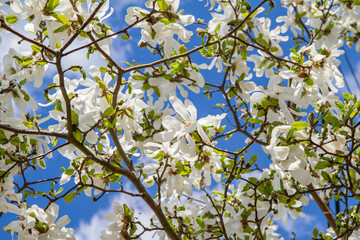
<point x="87" y="217"/>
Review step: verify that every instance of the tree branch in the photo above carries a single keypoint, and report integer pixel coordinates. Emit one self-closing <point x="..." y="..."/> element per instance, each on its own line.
<point x="73" y="37"/>
<point x="33" y="132"/>
<point x="324" y="208"/>
<point x="6" y="27"/>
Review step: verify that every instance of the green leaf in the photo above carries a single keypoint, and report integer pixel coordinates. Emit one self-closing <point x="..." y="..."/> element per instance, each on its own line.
<point x="74" y="117"/>
<point x="58" y="107"/>
<point x="253" y="179"/>
<point x="54" y="142"/>
<point x="11" y="19"/>
<point x="60" y="18"/>
<point x="133" y="229"/>
<point x="124" y="37"/>
<point x="42" y="164"/>
<point x="261" y="113"/>
<point x="322" y="165"/>
<point x="177" y="67"/>
<point x="153" y="34"/>
<point x="200" y="222"/>
<point x="108" y="97"/>
<point x="70" y="197"/>
<point x="99" y="147"/>
<point x="299" y="125"/>
<point x="70" y="171"/>
<point x="352" y="174"/>
<point x="185" y="171"/>
<point x="308" y="81"/>
<point x="265" y="102"/>
<point x="52" y="4"/>
<point x="348" y="97"/>
<point x="15" y="141"/>
<point x="78" y="136"/>
<point x="108" y="124"/>
<point x="271" y="65"/>
<point x="274" y="49"/>
<point x="162" y="5"/>
<point x="217" y="234"/>
<point x="325" y="175"/>
<point x="263" y="42"/>
<point x="253" y="159"/>
<point x="25" y="192"/>
<point x="59" y="191"/>
<point x="83" y="34"/>
<point x="61" y="29"/>
<point x="129" y="113"/>
<point x="268" y="189"/>
<point x="331" y="119"/>
<point x="102" y="85"/>
<point x="26" y="96"/>
<point x="139" y="77"/>
<point x="221" y="129"/>
<point x="41" y="63"/>
<point x="146" y="86"/>
<point x="22" y="82"/>
<point x="315" y="232"/>
<point x="255" y="120"/>
<point x="109" y="112"/>
<point x="242" y="77"/>
<point x="127" y="211"/>
<point x="103" y="69"/>
<point x="2" y="135"/>
<point x="165" y="21"/>
<point x="28" y="124"/>
<point x="232" y="92"/>
<point x="84" y="178"/>
<point x="182" y="49"/>
<point x="35" y="48"/>
<point x="26" y="63"/>
<point x="273" y="102"/>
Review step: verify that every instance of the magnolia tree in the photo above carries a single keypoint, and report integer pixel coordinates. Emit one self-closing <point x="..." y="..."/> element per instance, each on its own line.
<point x="131" y="128"/>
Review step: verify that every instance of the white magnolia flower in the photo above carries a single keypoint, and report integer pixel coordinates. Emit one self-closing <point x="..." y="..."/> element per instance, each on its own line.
<point x="56" y="227"/>
<point x="29" y="217"/>
<point x="120" y="223"/>
<point x="178" y="128"/>
<point x="160" y="32"/>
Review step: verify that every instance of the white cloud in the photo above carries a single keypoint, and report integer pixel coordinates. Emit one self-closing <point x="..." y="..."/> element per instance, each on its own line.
<point x="9" y="40"/>
<point x="302" y="225"/>
<point x="255" y="174"/>
<point x="91" y="230"/>
<point x="122" y="52"/>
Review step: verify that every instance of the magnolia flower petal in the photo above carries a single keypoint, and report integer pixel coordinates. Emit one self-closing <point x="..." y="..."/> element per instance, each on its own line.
<point x="278" y="153"/>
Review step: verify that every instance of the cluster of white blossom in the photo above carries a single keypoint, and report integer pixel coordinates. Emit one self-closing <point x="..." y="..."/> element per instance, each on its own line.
<point x="162" y="26"/>
<point x="121" y="219"/>
<point x="35" y="223"/>
<point x="136" y="124"/>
